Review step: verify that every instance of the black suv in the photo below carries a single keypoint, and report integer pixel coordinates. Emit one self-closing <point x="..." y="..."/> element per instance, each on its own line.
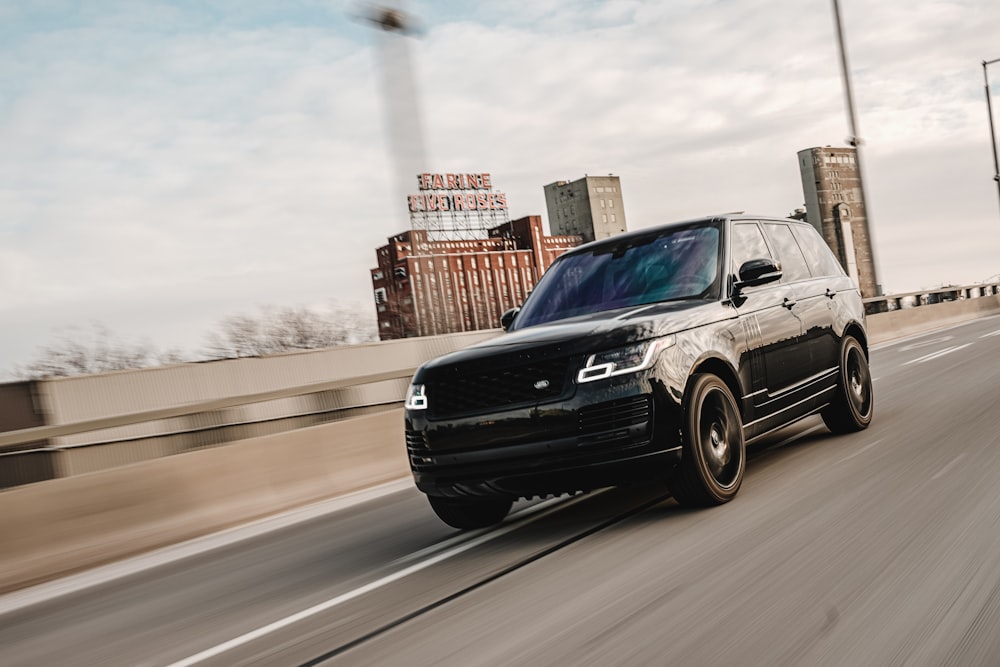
<point x="653" y="355"/>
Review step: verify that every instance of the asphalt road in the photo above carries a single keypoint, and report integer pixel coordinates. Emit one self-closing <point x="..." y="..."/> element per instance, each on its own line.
<point x="879" y="548"/>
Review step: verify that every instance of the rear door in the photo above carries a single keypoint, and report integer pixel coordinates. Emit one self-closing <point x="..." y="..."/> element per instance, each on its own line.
<point x="812" y="306"/>
<point x="836" y="288"/>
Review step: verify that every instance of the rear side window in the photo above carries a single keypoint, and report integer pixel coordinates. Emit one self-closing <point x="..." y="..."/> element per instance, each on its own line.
<point x="793" y="262"/>
<point x="821" y="259"/>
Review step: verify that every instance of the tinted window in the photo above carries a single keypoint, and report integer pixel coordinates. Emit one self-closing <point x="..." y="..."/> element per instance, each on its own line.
<point x="793" y="262"/>
<point x="748" y="243"/>
<point x="821" y="259"/>
<point x="679" y="263"/>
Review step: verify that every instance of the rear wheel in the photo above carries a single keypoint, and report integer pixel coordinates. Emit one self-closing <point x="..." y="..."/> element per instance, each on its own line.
<point x="853" y="406"/>
<point x="468" y="513"/>
<point x="714" y="454"/>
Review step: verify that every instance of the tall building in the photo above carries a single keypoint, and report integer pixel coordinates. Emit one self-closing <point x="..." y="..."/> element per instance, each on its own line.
<point x="831" y="183"/>
<point x="590" y="207"/>
<point x="425" y="286"/>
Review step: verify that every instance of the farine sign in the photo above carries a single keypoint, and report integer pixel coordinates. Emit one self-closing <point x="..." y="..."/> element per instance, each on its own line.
<point x="444" y="193"/>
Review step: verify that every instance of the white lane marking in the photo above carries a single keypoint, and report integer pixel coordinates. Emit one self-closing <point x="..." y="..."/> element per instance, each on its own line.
<point x="107" y="573"/>
<point x="860" y="451"/>
<point x="925" y="343"/>
<point x="876" y="379"/>
<point x="935" y="355"/>
<point x="905" y="339"/>
<point x="992" y="333"/>
<point x="948" y="467"/>
<point x="372" y="586"/>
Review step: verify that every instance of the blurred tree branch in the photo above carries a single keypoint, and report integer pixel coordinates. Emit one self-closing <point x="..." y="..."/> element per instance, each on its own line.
<point x="78" y="352"/>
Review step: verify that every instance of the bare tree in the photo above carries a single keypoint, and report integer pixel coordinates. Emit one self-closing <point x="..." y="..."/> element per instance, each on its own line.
<point x="79" y="352"/>
<point x="285" y="329"/>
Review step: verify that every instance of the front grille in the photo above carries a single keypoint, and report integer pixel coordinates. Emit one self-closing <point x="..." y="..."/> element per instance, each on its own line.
<point x="468" y="390"/>
<point x="617" y="414"/>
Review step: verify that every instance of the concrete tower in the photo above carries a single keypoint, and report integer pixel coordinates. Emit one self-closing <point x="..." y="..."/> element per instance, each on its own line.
<point x="831" y="183"/>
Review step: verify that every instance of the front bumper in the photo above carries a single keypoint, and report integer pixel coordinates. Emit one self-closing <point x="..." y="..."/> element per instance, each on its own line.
<point x="606" y="434"/>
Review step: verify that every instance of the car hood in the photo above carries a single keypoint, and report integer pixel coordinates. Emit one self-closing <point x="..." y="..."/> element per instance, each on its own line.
<point x="591" y="333"/>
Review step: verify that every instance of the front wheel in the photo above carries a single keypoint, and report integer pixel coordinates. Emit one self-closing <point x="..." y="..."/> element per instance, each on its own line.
<point x="714" y="455"/>
<point x="853" y="406"/>
<point x="468" y="513"/>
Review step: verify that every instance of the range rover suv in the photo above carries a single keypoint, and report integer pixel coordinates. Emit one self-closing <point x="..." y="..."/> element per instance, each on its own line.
<point x="652" y="355"/>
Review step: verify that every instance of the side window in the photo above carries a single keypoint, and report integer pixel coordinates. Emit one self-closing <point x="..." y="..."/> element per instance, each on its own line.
<point x="821" y="259"/>
<point x="793" y="262"/>
<point x="748" y="243"/>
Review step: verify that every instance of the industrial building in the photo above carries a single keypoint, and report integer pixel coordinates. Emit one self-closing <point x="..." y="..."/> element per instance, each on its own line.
<point x="835" y="206"/>
<point x="425" y="287"/>
<point x="590" y="207"/>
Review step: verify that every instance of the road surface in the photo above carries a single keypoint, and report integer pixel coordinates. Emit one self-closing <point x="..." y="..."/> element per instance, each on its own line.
<point x="878" y="548"/>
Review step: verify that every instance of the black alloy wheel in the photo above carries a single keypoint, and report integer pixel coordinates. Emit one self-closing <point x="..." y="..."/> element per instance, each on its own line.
<point x="714" y="455"/>
<point x="853" y="407"/>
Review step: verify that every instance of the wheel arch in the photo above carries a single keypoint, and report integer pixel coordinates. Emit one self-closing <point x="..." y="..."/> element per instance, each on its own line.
<point x="721" y="369"/>
<point x="857" y="331"/>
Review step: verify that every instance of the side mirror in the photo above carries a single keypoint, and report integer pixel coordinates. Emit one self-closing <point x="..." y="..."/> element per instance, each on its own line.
<point x="758" y="272"/>
<point x="507" y="318"/>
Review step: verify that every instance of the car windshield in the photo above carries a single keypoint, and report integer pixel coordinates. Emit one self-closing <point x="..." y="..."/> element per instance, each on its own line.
<point x="678" y="263"/>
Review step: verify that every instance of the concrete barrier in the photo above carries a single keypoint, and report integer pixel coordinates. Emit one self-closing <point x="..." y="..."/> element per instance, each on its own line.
<point x="60" y="526"/>
<point x="911" y="321"/>
<point x="56" y="527"/>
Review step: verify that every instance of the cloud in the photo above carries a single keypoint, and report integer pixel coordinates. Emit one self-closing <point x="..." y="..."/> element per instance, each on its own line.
<point x="166" y="165"/>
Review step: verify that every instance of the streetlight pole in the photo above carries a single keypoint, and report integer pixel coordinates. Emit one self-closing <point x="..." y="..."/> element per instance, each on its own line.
<point x="989" y="112"/>
<point x="855" y="141"/>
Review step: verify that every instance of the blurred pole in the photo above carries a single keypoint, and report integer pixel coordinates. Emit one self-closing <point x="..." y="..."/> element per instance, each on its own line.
<point x="993" y="136"/>
<point x="402" y="109"/>
<point x="855" y="140"/>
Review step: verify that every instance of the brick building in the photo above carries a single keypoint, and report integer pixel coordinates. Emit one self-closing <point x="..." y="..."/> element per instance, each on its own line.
<point x="425" y="287"/>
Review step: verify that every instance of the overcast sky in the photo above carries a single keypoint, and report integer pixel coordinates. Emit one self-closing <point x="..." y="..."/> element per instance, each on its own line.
<point x="166" y="164"/>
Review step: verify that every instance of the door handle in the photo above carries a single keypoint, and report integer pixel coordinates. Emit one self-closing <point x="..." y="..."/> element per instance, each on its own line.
<point x="788" y="303"/>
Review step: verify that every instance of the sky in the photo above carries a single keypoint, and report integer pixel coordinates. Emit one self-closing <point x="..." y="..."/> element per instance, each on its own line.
<point x="164" y="165"/>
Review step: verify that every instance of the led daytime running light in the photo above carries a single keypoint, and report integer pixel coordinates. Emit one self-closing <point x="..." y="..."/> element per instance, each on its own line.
<point x="416" y="397"/>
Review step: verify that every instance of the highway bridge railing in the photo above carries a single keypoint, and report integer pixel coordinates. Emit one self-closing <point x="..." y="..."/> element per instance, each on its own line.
<point x="944" y="294"/>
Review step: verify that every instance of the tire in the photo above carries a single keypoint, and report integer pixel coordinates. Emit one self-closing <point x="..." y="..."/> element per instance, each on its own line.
<point x="468" y="513"/>
<point x="714" y="453"/>
<point x="854" y="404"/>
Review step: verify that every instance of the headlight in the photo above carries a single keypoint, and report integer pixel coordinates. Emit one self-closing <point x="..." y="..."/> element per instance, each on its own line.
<point x="628" y="359"/>
<point x="416" y="397"/>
